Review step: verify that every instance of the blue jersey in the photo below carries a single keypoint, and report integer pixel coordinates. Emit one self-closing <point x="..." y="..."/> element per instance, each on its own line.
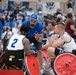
<point x="0" y="29"/>
<point x="37" y="29"/>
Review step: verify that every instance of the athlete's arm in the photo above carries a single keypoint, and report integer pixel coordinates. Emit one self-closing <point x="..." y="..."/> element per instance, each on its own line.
<point x="51" y="39"/>
<point x="46" y="46"/>
<point x="27" y="47"/>
<point x="60" y="41"/>
<point x="73" y="28"/>
<point x="39" y="34"/>
<point x="39" y="37"/>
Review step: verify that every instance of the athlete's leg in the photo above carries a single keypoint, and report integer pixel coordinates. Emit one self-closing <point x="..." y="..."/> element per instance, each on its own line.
<point x="40" y="59"/>
<point x="51" y="51"/>
<point x="38" y="46"/>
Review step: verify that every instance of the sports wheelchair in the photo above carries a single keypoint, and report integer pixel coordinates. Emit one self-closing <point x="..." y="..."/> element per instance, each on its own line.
<point x="63" y="64"/>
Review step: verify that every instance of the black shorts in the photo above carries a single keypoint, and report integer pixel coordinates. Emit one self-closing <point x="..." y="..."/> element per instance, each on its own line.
<point x="37" y="44"/>
<point x="58" y="51"/>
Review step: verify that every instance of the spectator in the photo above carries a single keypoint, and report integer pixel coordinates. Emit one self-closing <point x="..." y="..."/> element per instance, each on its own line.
<point x="6" y="38"/>
<point x="7" y="22"/>
<point x="58" y="12"/>
<point x="48" y="18"/>
<point x="39" y="6"/>
<point x="15" y="29"/>
<point x="5" y="8"/>
<point x="40" y="17"/>
<point x="14" y="22"/>
<point x="26" y="11"/>
<point x="9" y="33"/>
<point x="19" y="17"/>
<point x="3" y="36"/>
<point x="1" y="13"/>
<point x="24" y="18"/>
<point x="4" y="31"/>
<point x="73" y="3"/>
<point x="69" y="24"/>
<point x="69" y="6"/>
<point x="16" y="11"/>
<point x="60" y="19"/>
<point x="30" y="12"/>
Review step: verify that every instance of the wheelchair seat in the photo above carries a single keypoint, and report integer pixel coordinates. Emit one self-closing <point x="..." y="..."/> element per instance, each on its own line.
<point x="13" y="59"/>
<point x="74" y="52"/>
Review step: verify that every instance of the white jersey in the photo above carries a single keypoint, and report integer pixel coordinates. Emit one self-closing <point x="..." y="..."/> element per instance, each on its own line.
<point x="15" y="42"/>
<point x="69" y="46"/>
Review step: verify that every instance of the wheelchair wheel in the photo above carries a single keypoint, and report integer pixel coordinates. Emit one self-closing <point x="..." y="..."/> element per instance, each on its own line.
<point x="2" y="65"/>
<point x="65" y="64"/>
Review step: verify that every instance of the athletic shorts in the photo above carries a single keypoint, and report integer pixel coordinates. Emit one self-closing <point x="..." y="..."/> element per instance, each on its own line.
<point x="37" y="44"/>
<point x="58" y="51"/>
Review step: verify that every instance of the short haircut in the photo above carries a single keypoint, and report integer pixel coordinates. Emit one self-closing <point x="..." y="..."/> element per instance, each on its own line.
<point x="25" y="28"/>
<point x="60" y="23"/>
<point x="52" y="23"/>
<point x="60" y="26"/>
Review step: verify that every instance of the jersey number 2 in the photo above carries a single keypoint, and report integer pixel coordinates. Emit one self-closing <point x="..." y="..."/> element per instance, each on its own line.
<point x="13" y="44"/>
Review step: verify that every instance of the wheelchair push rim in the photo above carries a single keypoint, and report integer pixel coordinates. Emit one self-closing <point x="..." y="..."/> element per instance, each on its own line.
<point x="65" y="64"/>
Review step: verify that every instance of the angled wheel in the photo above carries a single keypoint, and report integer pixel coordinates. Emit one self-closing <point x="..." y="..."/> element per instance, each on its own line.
<point x="1" y="62"/>
<point x="32" y="65"/>
<point x="65" y="64"/>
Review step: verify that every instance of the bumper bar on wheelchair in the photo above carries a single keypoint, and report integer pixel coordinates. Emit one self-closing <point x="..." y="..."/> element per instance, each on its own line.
<point x="12" y="59"/>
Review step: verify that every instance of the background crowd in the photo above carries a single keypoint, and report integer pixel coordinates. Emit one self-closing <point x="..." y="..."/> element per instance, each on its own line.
<point x="12" y="20"/>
